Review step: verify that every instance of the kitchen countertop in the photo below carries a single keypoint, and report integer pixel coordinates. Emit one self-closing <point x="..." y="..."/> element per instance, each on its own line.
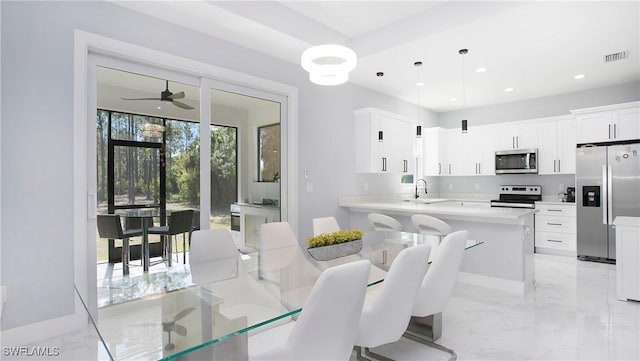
<point x="556" y="203"/>
<point x="471" y="210"/>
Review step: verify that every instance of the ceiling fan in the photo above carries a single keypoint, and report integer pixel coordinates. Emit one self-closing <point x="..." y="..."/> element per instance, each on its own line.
<point x="167" y="96"/>
<point x="170" y="325"/>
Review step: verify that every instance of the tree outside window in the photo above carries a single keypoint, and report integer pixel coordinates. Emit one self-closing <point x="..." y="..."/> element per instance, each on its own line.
<point x="269" y="153"/>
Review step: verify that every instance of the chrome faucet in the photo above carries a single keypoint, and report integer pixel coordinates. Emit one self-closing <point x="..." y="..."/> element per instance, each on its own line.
<point x="425" y="187"/>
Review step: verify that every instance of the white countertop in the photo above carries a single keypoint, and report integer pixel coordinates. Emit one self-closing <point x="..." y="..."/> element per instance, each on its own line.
<point x="556" y="203"/>
<point x="622" y="221"/>
<point x="478" y="211"/>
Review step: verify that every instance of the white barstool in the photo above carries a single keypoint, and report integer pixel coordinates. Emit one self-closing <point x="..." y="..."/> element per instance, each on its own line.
<point x="380" y="222"/>
<point x="430" y="226"/>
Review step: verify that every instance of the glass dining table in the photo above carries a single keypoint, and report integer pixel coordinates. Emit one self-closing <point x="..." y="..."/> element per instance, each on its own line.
<point x="208" y="310"/>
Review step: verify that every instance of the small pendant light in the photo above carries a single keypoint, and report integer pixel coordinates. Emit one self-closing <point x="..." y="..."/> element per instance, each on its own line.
<point x="464" y="100"/>
<point x="419" y="84"/>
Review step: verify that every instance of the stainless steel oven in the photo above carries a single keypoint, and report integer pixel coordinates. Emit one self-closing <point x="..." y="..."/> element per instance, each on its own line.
<point x="235" y="217"/>
<point x="517" y="161"/>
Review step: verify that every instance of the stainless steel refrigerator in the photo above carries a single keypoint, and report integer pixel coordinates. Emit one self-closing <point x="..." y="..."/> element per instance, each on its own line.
<point x="608" y="186"/>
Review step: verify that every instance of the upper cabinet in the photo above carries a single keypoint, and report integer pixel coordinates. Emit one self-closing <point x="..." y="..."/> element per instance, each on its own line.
<point x="470" y="153"/>
<point x="557" y="146"/>
<point x="517" y="135"/>
<point x="383" y="142"/>
<point x="433" y="147"/>
<point x="608" y="123"/>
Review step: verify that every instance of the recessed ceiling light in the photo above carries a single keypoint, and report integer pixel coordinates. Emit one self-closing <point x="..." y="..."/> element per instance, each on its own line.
<point x="579" y="76"/>
<point x="419" y="83"/>
<point x="453" y="99"/>
<point x="481" y="70"/>
<point x="508" y="89"/>
<point x="159" y="107"/>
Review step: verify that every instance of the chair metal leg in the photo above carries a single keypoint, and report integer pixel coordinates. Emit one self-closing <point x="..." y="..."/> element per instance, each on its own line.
<point x="362" y="356"/>
<point x="125" y="256"/>
<point x="420" y="339"/>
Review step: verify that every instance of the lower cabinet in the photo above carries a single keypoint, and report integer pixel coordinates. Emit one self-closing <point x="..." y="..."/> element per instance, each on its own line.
<point x="555" y="226"/>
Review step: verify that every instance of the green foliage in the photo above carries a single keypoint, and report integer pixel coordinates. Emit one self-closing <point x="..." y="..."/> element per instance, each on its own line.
<point x="327" y="239"/>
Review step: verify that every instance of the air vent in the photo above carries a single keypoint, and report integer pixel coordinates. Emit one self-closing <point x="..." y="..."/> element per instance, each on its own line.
<point x="616" y="56"/>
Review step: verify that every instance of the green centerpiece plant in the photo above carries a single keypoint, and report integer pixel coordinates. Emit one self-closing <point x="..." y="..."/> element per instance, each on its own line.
<point x="336" y="244"/>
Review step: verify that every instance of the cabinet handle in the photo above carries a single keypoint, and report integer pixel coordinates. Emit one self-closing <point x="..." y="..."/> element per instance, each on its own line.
<point x="558" y="165"/>
<point x="554" y="224"/>
<point x="609" y="131"/>
<point x="384" y="164"/>
<point x="439" y="168"/>
<point x="518" y="142"/>
<point x="513" y="142"/>
<point x="614" y="132"/>
<point x="554" y="165"/>
<point x="479" y="168"/>
<point x="384" y="256"/>
<point x="449" y="168"/>
<point x="477" y="171"/>
<point x="405" y="164"/>
<point x="555" y="210"/>
<point x="554" y="240"/>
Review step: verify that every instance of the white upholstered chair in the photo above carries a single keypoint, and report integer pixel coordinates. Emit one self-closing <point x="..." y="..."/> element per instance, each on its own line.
<point x="211" y="244"/>
<point x="213" y="256"/>
<point x="325" y="225"/>
<point x="435" y="291"/>
<point x="388" y="306"/>
<point x="328" y="324"/>
<point x="381" y="222"/>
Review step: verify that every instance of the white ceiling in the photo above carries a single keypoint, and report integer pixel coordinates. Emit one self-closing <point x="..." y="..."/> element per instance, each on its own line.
<point x="534" y="47"/>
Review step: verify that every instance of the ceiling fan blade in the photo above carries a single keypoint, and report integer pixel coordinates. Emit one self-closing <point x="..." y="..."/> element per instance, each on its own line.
<point x="180" y="330"/>
<point x="182" y="105"/>
<point x="178" y="95"/>
<point x="140" y="98"/>
<point x="183" y="313"/>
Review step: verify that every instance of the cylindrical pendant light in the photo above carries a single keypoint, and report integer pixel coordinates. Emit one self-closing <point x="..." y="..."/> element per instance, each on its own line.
<point x="464" y="97"/>
<point x="380" y="136"/>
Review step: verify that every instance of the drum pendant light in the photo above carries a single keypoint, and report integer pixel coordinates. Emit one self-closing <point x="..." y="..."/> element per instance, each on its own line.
<point x="328" y="64"/>
<point x="464" y="97"/>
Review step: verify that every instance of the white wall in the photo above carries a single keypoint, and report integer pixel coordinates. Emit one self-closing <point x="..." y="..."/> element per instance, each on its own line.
<point x="36" y="143"/>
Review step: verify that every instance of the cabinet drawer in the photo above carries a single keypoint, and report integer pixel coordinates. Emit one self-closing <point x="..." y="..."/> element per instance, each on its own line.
<point x="563" y="241"/>
<point x="555" y="224"/>
<point x="556" y="210"/>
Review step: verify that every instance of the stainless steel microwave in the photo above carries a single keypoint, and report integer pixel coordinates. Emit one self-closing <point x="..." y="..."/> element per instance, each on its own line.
<point x="517" y="161"/>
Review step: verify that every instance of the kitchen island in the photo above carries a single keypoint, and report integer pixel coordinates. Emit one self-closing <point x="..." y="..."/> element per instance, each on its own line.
<point x="506" y="259"/>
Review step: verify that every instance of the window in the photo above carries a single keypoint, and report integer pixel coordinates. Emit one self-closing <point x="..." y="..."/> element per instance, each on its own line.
<point x="269" y="153"/>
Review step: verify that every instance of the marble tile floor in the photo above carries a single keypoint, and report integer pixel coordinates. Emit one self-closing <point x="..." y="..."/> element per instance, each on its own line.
<point x="572" y="314"/>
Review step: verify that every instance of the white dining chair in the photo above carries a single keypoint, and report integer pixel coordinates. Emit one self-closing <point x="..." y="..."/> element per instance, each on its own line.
<point x="388" y="306"/>
<point x="210" y="245"/>
<point x="429" y="225"/>
<point x="327" y="326"/>
<point x="325" y="225"/>
<point x="435" y="291"/>
<point x="381" y="222"/>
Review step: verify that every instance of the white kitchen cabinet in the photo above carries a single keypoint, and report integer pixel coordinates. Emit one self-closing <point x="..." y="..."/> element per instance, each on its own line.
<point x="555" y="228"/>
<point x="479" y="144"/>
<point x="557" y="146"/>
<point x="517" y="135"/>
<point x="383" y="143"/>
<point x="453" y="160"/>
<point x="433" y="150"/>
<point x="627" y="258"/>
<point x="608" y="123"/>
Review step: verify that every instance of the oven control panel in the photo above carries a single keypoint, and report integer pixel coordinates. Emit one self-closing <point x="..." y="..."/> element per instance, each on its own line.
<point x="520" y="190"/>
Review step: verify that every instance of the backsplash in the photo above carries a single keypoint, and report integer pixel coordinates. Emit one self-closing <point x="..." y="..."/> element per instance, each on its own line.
<point x="551" y="184"/>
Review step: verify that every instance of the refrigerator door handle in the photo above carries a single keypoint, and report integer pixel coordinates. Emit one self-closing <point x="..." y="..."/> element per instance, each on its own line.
<point x="609" y="195"/>
<point x="603" y="205"/>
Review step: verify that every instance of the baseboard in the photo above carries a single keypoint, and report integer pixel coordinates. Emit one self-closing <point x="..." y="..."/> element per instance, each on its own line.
<point x="495" y="283"/>
<point x="556" y="252"/>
